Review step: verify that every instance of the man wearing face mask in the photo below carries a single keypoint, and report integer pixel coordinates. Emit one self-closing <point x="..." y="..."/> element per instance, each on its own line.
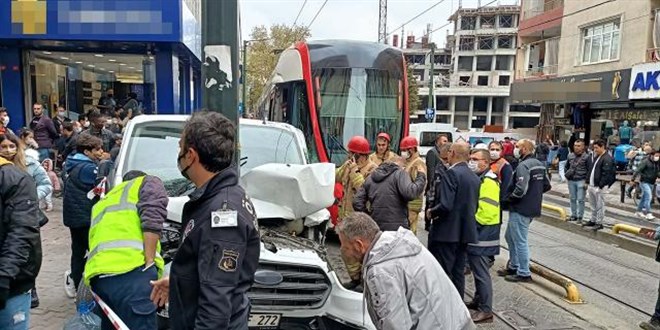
<point x="453" y="224"/>
<point x="97" y="128"/>
<point x="488" y="229"/>
<point x="413" y="165"/>
<point x="351" y="175"/>
<point x="214" y="266"/>
<point x="383" y="152"/>
<point x="4" y="121"/>
<point x="60" y="119"/>
<point x="524" y="198"/>
<point x="500" y="166"/>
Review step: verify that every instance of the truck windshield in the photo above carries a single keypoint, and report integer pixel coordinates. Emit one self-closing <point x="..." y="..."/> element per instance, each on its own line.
<point x="154" y="147"/>
<point x="357" y="101"/>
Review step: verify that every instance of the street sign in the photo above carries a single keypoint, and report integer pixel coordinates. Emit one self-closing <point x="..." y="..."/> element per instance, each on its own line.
<point x="430" y="113"/>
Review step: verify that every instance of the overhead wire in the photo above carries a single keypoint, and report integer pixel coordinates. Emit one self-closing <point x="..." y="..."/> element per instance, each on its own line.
<point x="414" y="18"/>
<point x="317" y="14"/>
<point x="299" y="12"/>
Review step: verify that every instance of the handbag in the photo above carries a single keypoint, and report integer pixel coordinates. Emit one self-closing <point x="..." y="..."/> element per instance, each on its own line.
<point x="43" y="219"/>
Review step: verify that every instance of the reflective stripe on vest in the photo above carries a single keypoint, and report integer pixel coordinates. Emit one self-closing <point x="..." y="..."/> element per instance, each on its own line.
<point x="486" y="243"/>
<point x="488" y="211"/>
<point x="116" y="239"/>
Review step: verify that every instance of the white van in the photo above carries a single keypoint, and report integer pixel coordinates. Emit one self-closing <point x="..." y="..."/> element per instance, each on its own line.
<point x="426" y="133"/>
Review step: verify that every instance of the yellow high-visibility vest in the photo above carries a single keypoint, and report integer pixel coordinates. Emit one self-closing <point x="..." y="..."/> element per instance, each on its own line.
<point x="488" y="211"/>
<point x="116" y="242"/>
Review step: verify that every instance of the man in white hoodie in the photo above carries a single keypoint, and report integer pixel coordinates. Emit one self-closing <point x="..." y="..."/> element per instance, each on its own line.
<point x="404" y="286"/>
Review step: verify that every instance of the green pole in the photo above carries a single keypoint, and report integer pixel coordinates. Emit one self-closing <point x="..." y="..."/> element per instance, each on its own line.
<point x="244" y="77"/>
<point x="431" y="96"/>
<point x="220" y="47"/>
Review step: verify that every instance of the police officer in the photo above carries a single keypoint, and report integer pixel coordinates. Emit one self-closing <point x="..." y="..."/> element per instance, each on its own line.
<point x="488" y="231"/>
<point x="215" y="264"/>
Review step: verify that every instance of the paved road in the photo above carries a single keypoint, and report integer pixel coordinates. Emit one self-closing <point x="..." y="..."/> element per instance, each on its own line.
<point x="55" y="306"/>
<point x="605" y="268"/>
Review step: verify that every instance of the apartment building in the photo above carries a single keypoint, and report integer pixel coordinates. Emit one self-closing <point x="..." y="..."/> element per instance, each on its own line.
<point x="473" y="72"/>
<point x="581" y="77"/>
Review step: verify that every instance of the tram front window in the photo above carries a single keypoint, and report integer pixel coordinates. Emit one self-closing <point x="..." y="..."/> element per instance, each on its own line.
<point x="357" y="101"/>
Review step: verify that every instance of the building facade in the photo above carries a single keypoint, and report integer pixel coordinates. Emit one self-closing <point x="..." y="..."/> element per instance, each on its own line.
<point x="473" y="72"/>
<point x="603" y="56"/>
<point x="71" y="52"/>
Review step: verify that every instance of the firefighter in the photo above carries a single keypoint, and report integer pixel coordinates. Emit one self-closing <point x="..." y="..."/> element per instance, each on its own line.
<point x="351" y="175"/>
<point x="413" y="165"/>
<point x="383" y="152"/>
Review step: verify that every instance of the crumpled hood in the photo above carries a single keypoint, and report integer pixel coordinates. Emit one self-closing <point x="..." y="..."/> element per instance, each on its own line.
<point x="392" y="245"/>
<point x="383" y="171"/>
<point x="74" y="160"/>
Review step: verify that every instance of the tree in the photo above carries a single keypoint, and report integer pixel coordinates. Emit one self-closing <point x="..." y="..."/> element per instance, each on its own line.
<point x="413" y="90"/>
<point x="263" y="53"/>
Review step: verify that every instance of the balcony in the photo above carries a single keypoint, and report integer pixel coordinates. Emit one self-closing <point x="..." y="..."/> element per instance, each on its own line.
<point x="532" y="8"/>
<point x="541" y="58"/>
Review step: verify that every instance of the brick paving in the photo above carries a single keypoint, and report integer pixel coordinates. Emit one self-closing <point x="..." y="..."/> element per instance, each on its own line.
<point x="55" y="307"/>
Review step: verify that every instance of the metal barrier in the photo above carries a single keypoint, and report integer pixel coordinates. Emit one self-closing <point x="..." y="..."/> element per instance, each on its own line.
<point x="558" y="209"/>
<point x="626" y="229"/>
<point x="572" y="292"/>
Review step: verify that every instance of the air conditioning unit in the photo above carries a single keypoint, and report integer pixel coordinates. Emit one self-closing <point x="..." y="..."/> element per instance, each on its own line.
<point x="559" y="111"/>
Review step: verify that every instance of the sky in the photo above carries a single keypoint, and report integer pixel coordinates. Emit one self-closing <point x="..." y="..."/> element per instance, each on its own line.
<point x="355" y="19"/>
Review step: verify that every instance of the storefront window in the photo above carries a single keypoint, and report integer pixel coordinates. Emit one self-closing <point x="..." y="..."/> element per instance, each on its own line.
<point x="80" y="82"/>
<point x="607" y="124"/>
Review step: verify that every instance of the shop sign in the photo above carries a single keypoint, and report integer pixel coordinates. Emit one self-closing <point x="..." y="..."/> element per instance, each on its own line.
<point x="630" y="115"/>
<point x="644" y="83"/>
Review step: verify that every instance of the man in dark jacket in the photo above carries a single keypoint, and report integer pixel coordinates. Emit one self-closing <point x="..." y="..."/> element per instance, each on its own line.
<point x="20" y="244"/>
<point x="438" y="173"/>
<point x="577" y="167"/>
<point x="97" y="128"/>
<point x="647" y="171"/>
<point x="219" y="253"/>
<point x="44" y="131"/>
<point x="530" y="181"/>
<point x="388" y="190"/>
<point x="453" y="224"/>
<point x="602" y="174"/>
<point x="80" y="178"/>
<point x="433" y="158"/>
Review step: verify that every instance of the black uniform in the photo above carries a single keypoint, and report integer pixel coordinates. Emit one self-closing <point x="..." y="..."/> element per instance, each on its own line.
<point x="215" y="264"/>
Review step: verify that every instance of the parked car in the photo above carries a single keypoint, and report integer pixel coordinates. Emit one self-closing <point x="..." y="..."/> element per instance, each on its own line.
<point x="308" y="293"/>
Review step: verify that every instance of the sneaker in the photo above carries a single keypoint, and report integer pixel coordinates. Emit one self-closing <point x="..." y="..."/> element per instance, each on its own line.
<point x="506" y="272"/>
<point x="596" y="227"/>
<point x="34" y="302"/>
<point x="517" y="278"/>
<point x="653" y="324"/>
<point x="572" y="219"/>
<point x="640" y="215"/>
<point x="649" y="216"/>
<point x="69" y="286"/>
<point x="588" y="224"/>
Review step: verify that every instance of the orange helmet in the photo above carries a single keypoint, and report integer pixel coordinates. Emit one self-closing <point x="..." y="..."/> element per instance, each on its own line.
<point x="359" y="145"/>
<point x="384" y="136"/>
<point x="408" y="142"/>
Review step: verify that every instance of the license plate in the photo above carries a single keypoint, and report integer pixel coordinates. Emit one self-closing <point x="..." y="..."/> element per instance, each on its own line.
<point x="264" y="321"/>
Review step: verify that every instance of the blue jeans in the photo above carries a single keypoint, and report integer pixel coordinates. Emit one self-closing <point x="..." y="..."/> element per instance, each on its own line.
<point x="577" y="194"/>
<point x="516" y="238"/>
<point x="43" y="153"/>
<point x="16" y="315"/>
<point x="128" y="295"/>
<point x="645" y="204"/>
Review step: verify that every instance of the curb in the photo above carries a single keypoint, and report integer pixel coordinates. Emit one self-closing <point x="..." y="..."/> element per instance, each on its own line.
<point x="605" y="235"/>
<point x="624" y="207"/>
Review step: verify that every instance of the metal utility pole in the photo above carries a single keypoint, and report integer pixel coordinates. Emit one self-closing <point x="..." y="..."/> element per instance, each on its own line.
<point x="431" y="96"/>
<point x="382" y="21"/>
<point x="220" y="46"/>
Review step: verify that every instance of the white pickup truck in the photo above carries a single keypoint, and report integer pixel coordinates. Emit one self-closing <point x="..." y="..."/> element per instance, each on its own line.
<point x="295" y="287"/>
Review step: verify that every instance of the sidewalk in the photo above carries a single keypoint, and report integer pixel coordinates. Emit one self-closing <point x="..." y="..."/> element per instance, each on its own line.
<point x="55" y="307"/>
<point x="616" y="212"/>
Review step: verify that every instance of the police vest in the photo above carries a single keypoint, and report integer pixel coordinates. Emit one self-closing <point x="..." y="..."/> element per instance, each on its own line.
<point x="488" y="211"/>
<point x="116" y="243"/>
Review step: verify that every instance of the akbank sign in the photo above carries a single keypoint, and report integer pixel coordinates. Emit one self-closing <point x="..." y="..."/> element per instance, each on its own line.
<point x="645" y="81"/>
